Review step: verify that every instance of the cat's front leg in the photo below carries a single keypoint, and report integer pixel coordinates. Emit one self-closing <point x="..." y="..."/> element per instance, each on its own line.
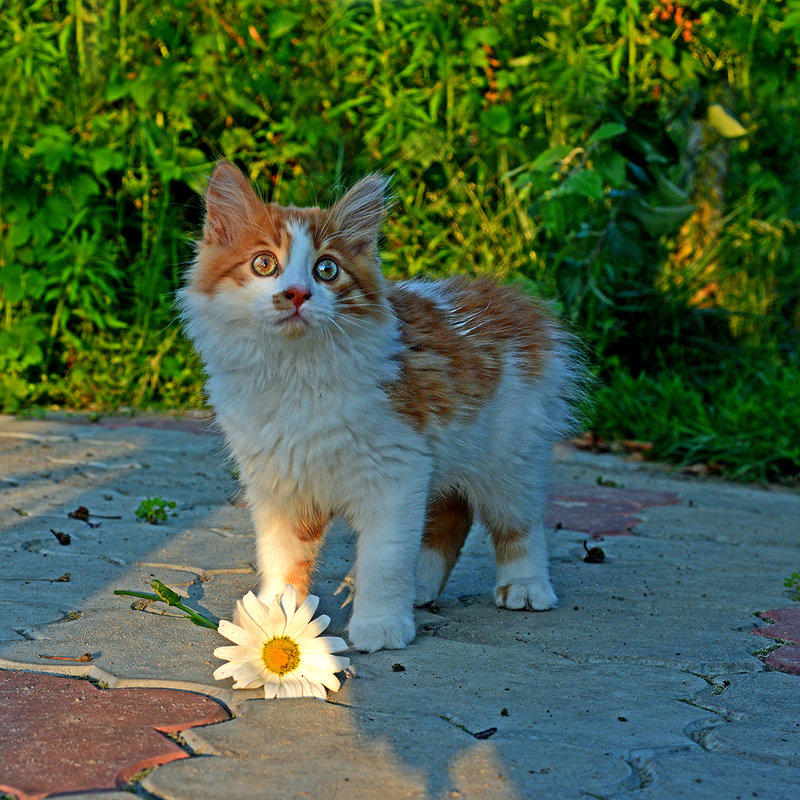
<point x="389" y="534"/>
<point x="287" y="542"/>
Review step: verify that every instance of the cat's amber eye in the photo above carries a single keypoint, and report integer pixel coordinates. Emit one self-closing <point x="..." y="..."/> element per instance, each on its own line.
<point x="326" y="269"/>
<point x="265" y="264"/>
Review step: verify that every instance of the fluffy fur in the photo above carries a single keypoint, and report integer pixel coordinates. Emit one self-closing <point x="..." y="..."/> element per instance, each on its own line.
<point x="407" y="408"/>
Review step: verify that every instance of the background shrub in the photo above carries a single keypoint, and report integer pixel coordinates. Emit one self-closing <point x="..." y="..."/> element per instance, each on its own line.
<point x="580" y="148"/>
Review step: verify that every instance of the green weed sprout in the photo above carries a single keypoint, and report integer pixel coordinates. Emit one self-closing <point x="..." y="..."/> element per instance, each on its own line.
<point x="166" y="595"/>
<point x="793" y="583"/>
<point x="154" y="509"/>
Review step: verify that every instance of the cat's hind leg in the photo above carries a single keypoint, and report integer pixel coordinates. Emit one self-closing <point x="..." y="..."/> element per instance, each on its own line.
<point x="448" y="521"/>
<point x="523" y="576"/>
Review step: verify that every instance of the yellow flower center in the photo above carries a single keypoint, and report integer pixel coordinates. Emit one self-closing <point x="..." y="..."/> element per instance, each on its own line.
<point x="280" y="655"/>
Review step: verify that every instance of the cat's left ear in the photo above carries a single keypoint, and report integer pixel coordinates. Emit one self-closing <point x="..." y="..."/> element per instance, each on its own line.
<point x="358" y="215"/>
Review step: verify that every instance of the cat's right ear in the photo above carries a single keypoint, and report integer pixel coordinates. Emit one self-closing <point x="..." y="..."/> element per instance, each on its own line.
<point x="231" y="205"/>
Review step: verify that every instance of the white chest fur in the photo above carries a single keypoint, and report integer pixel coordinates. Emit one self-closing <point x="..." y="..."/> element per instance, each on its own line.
<point x="308" y="423"/>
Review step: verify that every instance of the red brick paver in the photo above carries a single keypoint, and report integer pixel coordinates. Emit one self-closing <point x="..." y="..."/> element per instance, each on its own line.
<point x="785" y="627"/>
<point x="61" y="735"/>
<point x="601" y="510"/>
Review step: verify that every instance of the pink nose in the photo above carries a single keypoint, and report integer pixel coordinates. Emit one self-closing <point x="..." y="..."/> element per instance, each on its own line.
<point x="298" y="295"/>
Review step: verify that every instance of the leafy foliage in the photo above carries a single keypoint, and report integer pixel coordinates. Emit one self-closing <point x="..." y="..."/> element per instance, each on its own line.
<point x="154" y="510"/>
<point x="578" y="148"/>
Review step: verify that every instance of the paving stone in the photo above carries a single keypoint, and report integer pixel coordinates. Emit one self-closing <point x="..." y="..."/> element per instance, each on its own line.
<point x="616" y="705"/>
<point x="693" y="774"/>
<point x="601" y="510"/>
<point x="66" y="735"/>
<point x="785" y="659"/>
<point x="785" y="627"/>
<point x="786" y="624"/>
<point x="762" y="713"/>
<point x="331" y="751"/>
<point x="672" y="602"/>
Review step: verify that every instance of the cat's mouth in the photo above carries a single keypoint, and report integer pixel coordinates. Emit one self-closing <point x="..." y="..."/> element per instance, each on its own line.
<point x="293" y="326"/>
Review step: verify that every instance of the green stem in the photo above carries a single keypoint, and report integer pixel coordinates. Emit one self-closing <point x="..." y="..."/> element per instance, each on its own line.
<point x="190" y="614"/>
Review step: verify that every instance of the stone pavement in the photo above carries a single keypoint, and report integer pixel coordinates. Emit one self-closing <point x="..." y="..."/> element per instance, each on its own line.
<point x="647" y="681"/>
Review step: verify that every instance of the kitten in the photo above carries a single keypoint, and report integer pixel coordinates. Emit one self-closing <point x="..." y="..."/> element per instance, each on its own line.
<point x="406" y="408"/>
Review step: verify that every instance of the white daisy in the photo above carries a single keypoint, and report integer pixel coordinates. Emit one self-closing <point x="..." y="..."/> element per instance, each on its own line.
<point x="279" y="647"/>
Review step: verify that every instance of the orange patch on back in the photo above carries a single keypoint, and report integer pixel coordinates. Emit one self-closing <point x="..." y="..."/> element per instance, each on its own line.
<point x="442" y="371"/>
<point x="503" y="315"/>
<point x="452" y="357"/>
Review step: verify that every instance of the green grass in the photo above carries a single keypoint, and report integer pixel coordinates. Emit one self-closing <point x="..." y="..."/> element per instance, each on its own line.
<point x="563" y="146"/>
<point x="743" y="420"/>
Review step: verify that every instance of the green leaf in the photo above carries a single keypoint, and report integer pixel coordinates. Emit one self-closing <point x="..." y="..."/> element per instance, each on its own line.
<point x="170" y="597"/>
<point x="607" y="130"/>
<point x="141" y="90"/>
<point x="281" y="22"/>
<point x="82" y="188"/>
<point x="11" y="281"/>
<point x="551" y="156"/>
<point x="35" y="283"/>
<point x="479" y="36"/>
<point x="104" y="160"/>
<point x="659" y="220"/>
<point x="554" y="216"/>
<point x="585" y="183"/>
<point x="19" y="233"/>
<point x="497" y="119"/>
<point x="612" y="168"/>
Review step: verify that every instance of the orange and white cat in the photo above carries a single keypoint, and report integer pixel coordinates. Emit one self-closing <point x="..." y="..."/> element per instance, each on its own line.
<point x="406" y="408"/>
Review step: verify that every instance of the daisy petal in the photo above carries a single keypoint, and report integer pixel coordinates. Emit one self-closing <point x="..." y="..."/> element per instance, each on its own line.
<point x="259" y="613"/>
<point x="290" y="687"/>
<point x="334" y="643"/>
<point x="323" y="676"/>
<point x="305" y="686"/>
<point x="330" y="681"/>
<point x="277" y="619"/>
<point x="302" y="616"/>
<point x="289" y="601"/>
<point x="225" y="670"/>
<point x="326" y="661"/>
<point x="238" y="635"/>
<point x="316" y="626"/>
<point x="271" y="690"/>
<point x="326" y="644"/>
<point x="316" y="689"/>
<point x="247" y="676"/>
<point x="236" y="652"/>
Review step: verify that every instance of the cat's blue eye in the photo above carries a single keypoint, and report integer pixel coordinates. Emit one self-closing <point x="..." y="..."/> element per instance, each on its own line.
<point x="265" y="264"/>
<point x="326" y="269"/>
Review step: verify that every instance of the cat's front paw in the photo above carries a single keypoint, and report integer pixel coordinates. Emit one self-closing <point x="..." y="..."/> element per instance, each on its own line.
<point x="381" y="633"/>
<point x="526" y="594"/>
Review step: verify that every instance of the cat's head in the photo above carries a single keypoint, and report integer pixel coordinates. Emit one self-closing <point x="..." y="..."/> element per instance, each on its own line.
<point x="291" y="270"/>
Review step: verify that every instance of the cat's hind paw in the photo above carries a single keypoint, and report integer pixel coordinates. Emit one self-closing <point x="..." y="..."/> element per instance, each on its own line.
<point x="530" y="595"/>
<point x="431" y="576"/>
<point x="369" y="634"/>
